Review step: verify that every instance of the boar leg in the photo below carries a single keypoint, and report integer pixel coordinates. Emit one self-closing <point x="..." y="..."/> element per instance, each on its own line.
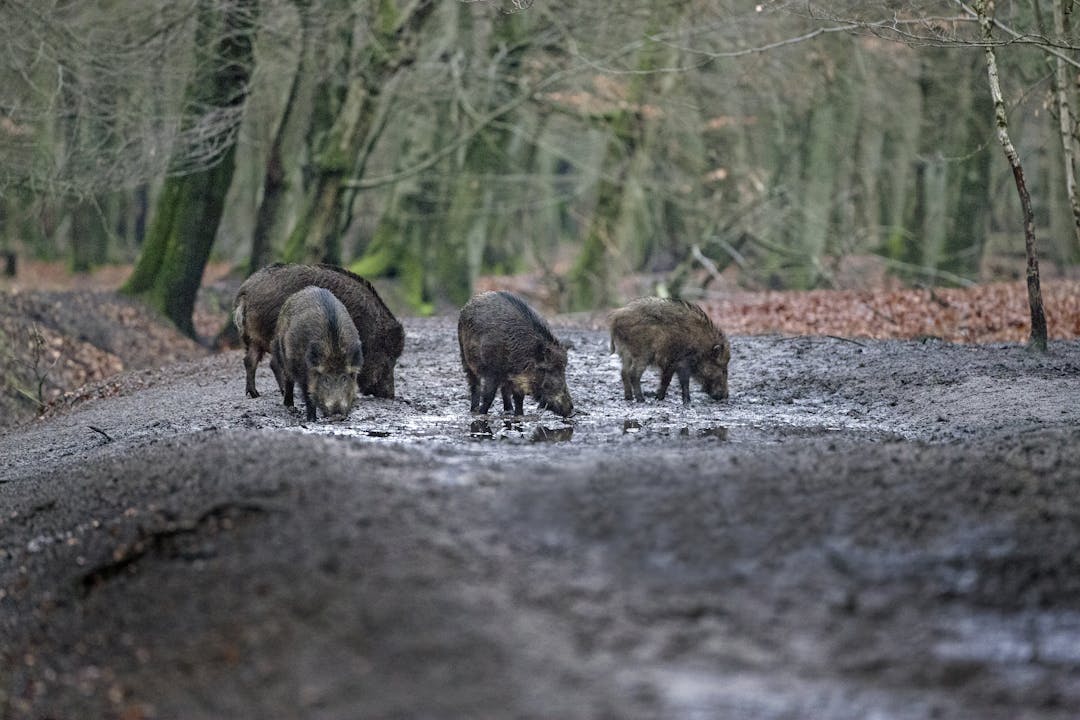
<point x="635" y="381"/>
<point x="251" y="361"/>
<point x="519" y="403"/>
<point x="508" y="397"/>
<point x="474" y="390"/>
<point x="631" y="380"/>
<point x="488" y="388"/>
<point x="309" y="406"/>
<point x="665" y="379"/>
<point x="287" y="389"/>
<point x="684" y="383"/>
<point x="627" y="385"/>
<point x="275" y="367"/>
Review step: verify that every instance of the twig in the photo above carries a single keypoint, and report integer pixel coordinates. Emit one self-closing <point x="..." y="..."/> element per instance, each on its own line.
<point x="811" y="339"/>
<point x="706" y="263"/>
<point x="844" y="339"/>
<point x="101" y="432"/>
<point x="733" y="252"/>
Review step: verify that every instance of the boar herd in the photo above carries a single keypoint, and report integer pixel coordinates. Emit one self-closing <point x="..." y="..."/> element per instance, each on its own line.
<point x="328" y="331"/>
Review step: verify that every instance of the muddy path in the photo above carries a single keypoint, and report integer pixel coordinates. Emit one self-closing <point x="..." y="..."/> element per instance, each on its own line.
<point x="867" y="529"/>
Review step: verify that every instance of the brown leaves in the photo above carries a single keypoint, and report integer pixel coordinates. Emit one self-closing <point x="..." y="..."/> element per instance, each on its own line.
<point x="996" y="312"/>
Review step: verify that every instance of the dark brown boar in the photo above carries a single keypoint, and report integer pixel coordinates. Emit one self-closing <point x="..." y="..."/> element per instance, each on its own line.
<point x="260" y="298"/>
<point x="507" y="347"/>
<point x="676" y="336"/>
<point x="316" y="344"/>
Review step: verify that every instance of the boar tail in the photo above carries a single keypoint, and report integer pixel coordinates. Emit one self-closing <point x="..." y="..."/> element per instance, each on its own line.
<point x="238" y="315"/>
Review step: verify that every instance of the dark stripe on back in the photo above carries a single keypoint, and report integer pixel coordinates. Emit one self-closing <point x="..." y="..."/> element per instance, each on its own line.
<point x="692" y="307"/>
<point x="326" y="299"/>
<point x="363" y="281"/>
<point x="529" y="314"/>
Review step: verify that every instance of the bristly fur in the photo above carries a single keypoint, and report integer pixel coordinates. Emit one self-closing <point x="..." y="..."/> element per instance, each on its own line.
<point x="326" y="301"/>
<point x="353" y="276"/>
<point x="538" y="323"/>
<point x="692" y="307"/>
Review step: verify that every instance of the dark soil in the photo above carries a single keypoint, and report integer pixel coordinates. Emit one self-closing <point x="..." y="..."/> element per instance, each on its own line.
<point x="885" y="529"/>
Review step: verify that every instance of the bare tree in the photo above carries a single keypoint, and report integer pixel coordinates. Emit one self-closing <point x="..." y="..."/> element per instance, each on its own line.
<point x="190" y="205"/>
<point x="985" y="10"/>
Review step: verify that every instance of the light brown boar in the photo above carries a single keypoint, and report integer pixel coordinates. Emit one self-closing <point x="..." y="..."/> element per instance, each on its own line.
<point x="676" y="336"/>
<point x="262" y="295"/>
<point x="316" y="345"/>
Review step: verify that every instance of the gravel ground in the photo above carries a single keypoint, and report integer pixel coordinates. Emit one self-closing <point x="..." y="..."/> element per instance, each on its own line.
<point x="885" y="529"/>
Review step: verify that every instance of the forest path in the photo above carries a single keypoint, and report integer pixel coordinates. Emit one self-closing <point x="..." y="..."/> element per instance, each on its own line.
<point x="886" y="528"/>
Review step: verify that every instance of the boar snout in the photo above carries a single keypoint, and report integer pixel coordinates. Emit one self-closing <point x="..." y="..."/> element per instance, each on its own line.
<point x="561" y="405"/>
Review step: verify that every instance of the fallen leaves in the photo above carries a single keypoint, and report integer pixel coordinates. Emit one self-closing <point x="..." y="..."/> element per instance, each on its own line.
<point x="996" y="312"/>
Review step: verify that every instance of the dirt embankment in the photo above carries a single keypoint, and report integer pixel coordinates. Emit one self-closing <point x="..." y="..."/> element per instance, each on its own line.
<point x="866" y="529"/>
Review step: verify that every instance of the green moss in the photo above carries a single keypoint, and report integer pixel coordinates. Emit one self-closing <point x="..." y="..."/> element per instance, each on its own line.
<point x="157" y="240"/>
<point x="588" y="279"/>
<point x="377" y="262"/>
<point x="387" y="18"/>
<point x="412" y="280"/>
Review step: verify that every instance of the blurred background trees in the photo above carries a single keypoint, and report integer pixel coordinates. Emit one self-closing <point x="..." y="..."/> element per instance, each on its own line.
<point x="596" y="150"/>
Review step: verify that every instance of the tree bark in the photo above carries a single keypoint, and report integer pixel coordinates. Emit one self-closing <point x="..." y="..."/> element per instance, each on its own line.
<point x="275" y="184"/>
<point x="317" y="234"/>
<point x="1066" y="122"/>
<point x="189" y="207"/>
<point x="89" y="234"/>
<point x="1038" y="339"/>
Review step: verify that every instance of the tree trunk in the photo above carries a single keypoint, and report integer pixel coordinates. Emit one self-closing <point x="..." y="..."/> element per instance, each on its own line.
<point x="612" y="243"/>
<point x="985" y="10"/>
<point x="317" y="234"/>
<point x="189" y="207"/>
<point x="1066" y="121"/>
<point x="275" y="182"/>
<point x="89" y="234"/>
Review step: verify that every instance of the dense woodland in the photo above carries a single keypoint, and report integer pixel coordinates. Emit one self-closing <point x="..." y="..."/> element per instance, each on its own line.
<point x="435" y="142"/>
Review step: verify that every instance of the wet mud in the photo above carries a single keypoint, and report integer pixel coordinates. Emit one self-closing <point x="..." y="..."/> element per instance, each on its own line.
<point x="865" y="528"/>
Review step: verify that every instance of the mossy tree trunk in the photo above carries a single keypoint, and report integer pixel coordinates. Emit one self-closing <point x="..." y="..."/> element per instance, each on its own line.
<point x="189" y="207"/>
<point x="89" y="234"/>
<point x="269" y="216"/>
<point x="441" y="227"/>
<point x="1065" y="102"/>
<point x="616" y="227"/>
<point x="481" y="233"/>
<point x="969" y="191"/>
<point x="394" y="45"/>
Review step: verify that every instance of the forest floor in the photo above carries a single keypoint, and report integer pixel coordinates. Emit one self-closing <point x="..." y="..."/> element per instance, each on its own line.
<point x="868" y="528"/>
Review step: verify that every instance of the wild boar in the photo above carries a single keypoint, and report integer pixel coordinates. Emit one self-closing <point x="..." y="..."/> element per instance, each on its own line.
<point x="507" y="347"/>
<point x="260" y="298"/>
<point x="316" y="344"/>
<point x="676" y="336"/>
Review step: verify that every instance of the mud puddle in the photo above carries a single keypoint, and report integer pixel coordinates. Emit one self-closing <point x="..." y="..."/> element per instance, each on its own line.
<point x="619" y="423"/>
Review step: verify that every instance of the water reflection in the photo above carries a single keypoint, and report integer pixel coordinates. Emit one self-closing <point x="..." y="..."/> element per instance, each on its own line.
<point x="631" y="426"/>
<point x="546" y="434"/>
<point x="480" y="430"/>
